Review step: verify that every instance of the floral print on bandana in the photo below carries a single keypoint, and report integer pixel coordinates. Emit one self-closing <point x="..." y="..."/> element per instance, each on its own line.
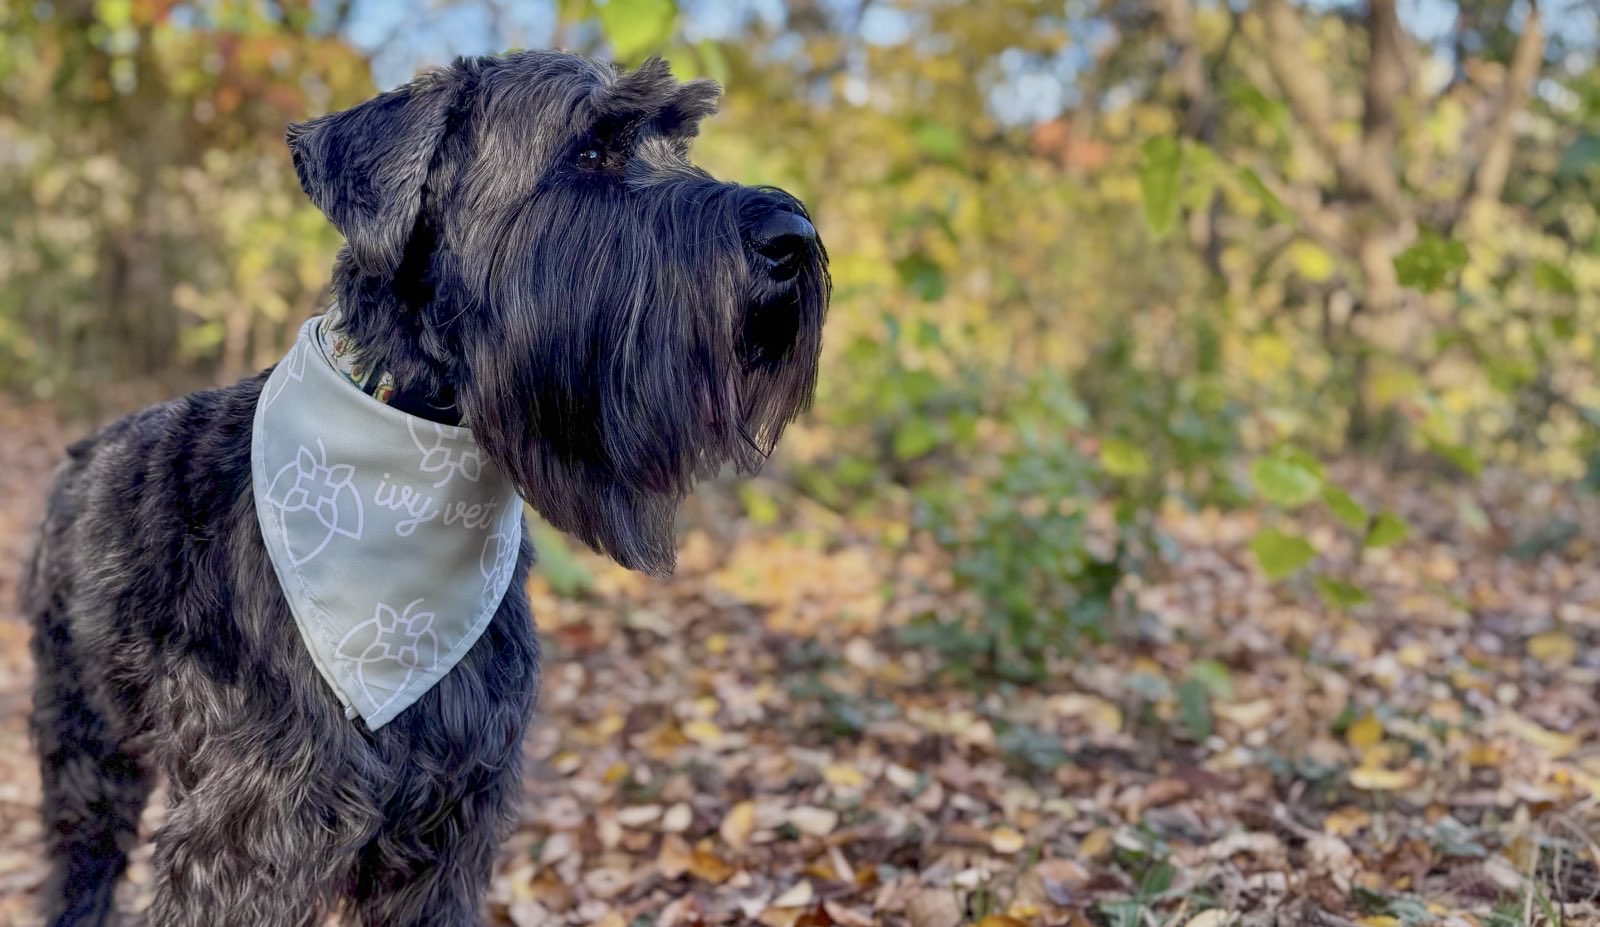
<point x="307" y="483"/>
<point x="406" y="639"/>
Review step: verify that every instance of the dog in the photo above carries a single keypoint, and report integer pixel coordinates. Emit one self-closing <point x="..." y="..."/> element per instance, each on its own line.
<point x="530" y="258"/>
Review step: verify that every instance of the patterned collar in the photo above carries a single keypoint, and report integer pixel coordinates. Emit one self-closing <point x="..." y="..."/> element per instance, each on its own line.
<point x="341" y="352"/>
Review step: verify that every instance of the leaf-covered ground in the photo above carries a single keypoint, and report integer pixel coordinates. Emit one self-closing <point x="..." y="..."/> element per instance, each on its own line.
<point x="747" y="743"/>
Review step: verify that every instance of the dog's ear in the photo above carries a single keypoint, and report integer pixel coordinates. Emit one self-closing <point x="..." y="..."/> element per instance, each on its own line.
<point x="365" y="167"/>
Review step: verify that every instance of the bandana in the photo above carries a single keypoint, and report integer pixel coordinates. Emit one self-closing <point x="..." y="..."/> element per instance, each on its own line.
<point x="394" y="540"/>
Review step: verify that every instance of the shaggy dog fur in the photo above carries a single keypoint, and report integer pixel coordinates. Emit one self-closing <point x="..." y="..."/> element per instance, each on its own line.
<point x="530" y="251"/>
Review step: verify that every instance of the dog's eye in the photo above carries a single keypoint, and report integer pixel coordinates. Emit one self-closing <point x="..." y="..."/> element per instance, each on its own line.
<point x="589" y="157"/>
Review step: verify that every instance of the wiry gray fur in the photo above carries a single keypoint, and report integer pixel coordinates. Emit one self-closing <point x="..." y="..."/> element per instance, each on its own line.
<point x="612" y="327"/>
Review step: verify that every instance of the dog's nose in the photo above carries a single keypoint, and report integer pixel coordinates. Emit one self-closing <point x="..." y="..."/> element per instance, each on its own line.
<point x="783" y="239"/>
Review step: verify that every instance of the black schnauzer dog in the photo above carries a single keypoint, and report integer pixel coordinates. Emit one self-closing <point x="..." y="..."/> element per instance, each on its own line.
<point x="528" y="251"/>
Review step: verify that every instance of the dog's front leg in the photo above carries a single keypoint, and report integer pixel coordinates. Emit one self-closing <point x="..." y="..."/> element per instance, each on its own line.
<point x="433" y="870"/>
<point x="248" y="854"/>
<point x="272" y="798"/>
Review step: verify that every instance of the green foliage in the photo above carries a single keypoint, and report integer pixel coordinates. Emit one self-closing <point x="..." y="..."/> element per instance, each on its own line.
<point x="1428" y="263"/>
<point x="1286" y="481"/>
<point x="1387" y="529"/>
<point x="636" y="27"/>
<point x="1159" y="172"/>
<point x="558" y="565"/>
<point x="1019" y="538"/>
<point x="1280" y="553"/>
<point x="1344" y="508"/>
<point x="1340" y="594"/>
<point x="1194" y="708"/>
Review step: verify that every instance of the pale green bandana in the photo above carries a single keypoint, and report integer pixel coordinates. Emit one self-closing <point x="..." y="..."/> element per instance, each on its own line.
<point x="392" y="536"/>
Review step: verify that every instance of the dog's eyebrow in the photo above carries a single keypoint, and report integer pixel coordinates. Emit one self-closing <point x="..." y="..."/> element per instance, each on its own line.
<point x="694" y="101"/>
<point x="640" y="93"/>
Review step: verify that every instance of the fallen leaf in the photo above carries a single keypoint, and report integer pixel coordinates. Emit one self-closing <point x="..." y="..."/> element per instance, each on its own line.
<point x="1216" y="917"/>
<point x="799" y="896"/>
<point x="560" y="846"/>
<point x="934" y="908"/>
<point x="843" y="776"/>
<point x="1365" y="733"/>
<point x="709" y="867"/>
<point x="677" y="819"/>
<point x="1103" y="717"/>
<point x="1006" y="840"/>
<point x="674" y="858"/>
<point x="1347" y="821"/>
<point x="1557" y="745"/>
<point x="1096" y="844"/>
<point x="1248" y="715"/>
<point x="529" y="913"/>
<point x="1054" y="881"/>
<point x="703" y="732"/>
<point x="738" y="825"/>
<point x="900" y="777"/>
<point x="1553" y="648"/>
<point x="818" y="822"/>
<point x="639" y="815"/>
<point x="847" y="917"/>
<point x="1380" y="779"/>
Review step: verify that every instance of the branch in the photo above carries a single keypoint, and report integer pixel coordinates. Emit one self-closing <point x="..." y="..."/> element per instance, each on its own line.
<point x="1193" y="85"/>
<point x="1316" y="221"/>
<point x="1364" y="170"/>
<point x="1489" y="179"/>
<point x="1386" y="85"/>
<point x="1307" y="89"/>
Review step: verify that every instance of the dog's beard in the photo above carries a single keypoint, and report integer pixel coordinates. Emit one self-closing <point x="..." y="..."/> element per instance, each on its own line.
<point x="630" y="353"/>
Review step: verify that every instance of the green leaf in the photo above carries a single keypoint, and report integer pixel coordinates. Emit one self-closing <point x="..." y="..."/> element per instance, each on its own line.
<point x="559" y="566"/>
<point x="1580" y="157"/>
<point x="938" y="141"/>
<point x="636" y="27"/>
<point x="1311" y="261"/>
<point x="760" y="506"/>
<point x="1387" y="529"/>
<point x="1339" y="593"/>
<point x="1269" y="200"/>
<point x="914" y="438"/>
<point x="1461" y="456"/>
<point x="1123" y="460"/>
<point x="712" y="61"/>
<point x="1344" y="508"/>
<point x="1194" y="707"/>
<point x="1552" y="278"/>
<point x="1158" y="181"/>
<point x="1281" y="554"/>
<point x="1427" y="263"/>
<point x="922" y="276"/>
<point x="1248" y="98"/>
<point x="1214" y="676"/>
<point x="1284" y="481"/>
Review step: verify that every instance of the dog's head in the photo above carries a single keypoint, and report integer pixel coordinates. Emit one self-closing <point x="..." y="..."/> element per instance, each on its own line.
<point x="528" y="232"/>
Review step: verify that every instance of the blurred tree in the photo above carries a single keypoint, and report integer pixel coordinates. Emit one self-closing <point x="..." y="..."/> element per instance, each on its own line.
<point x="155" y="221"/>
